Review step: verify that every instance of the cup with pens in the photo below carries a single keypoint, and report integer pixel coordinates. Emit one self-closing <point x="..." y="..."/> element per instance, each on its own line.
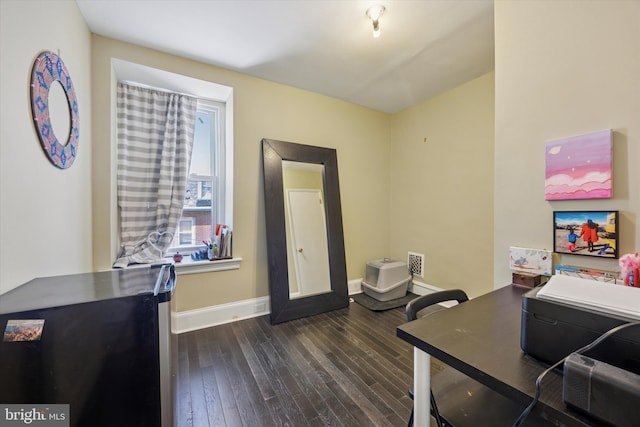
<point x="219" y="247"/>
<point x="211" y="249"/>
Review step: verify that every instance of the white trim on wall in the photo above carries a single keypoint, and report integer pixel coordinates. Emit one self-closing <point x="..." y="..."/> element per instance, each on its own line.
<point x="420" y="288"/>
<point x="415" y="287"/>
<point x="355" y="286"/>
<point x="200" y="318"/>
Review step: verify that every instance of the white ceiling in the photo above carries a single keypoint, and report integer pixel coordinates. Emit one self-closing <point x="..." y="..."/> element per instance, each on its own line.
<point x="326" y="46"/>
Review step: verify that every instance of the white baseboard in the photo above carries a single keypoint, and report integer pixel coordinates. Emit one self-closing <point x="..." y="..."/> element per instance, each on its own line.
<point x="355" y="286"/>
<point x="191" y="320"/>
<point x="416" y="287"/>
<point x="420" y="288"/>
<point x="200" y="318"/>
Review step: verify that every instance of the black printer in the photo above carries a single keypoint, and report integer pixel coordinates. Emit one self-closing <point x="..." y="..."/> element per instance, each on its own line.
<point x="557" y="321"/>
<point x="551" y="330"/>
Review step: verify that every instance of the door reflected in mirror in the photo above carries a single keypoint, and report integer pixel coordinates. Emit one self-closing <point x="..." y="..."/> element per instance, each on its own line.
<point x="303" y="298"/>
<point x="306" y="229"/>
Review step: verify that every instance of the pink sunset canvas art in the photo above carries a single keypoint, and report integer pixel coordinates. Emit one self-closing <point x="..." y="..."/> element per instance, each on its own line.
<point x="579" y="167"/>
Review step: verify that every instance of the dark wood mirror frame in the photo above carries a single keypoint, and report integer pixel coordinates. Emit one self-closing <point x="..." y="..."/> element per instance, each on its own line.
<point x="282" y="307"/>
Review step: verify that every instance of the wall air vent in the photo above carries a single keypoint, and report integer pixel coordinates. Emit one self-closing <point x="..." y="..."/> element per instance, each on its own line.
<point x="416" y="264"/>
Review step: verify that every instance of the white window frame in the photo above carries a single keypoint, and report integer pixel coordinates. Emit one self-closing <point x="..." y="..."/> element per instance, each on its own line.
<point x="191" y="231"/>
<point x="143" y="75"/>
<point x="218" y="177"/>
<point x="218" y="166"/>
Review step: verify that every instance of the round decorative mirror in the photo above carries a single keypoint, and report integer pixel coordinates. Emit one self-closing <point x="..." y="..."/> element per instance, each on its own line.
<point x="48" y="76"/>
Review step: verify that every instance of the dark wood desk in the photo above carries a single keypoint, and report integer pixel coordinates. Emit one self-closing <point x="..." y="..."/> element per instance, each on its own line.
<point x="481" y="338"/>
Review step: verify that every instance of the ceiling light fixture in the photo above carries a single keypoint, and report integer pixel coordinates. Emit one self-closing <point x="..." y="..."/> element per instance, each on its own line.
<point x="374" y="13"/>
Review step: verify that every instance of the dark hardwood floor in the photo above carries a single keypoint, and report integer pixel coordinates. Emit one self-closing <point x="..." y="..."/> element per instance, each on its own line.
<point x="342" y="368"/>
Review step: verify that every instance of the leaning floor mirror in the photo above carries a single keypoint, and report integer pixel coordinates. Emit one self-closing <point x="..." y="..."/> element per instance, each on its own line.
<point x="305" y="242"/>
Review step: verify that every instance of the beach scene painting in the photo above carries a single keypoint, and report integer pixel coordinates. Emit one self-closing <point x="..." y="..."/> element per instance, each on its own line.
<point x="579" y="167"/>
<point x="593" y="233"/>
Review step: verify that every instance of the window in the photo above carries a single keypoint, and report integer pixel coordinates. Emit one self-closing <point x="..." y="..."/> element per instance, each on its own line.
<point x="186" y="231"/>
<point x="204" y="202"/>
<point x="219" y="180"/>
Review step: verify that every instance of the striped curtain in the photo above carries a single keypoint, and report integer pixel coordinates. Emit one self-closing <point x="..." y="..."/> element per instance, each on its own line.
<point x="155" y="138"/>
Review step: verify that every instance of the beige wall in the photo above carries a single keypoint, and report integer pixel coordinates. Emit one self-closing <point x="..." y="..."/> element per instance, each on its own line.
<point x="563" y="68"/>
<point x="45" y="212"/>
<point x="262" y="110"/>
<point x="442" y="189"/>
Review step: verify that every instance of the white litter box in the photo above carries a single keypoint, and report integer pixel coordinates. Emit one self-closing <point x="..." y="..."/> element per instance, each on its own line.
<point x="386" y="279"/>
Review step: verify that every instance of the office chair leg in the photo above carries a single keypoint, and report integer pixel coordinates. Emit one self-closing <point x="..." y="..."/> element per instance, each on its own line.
<point x="435" y="412"/>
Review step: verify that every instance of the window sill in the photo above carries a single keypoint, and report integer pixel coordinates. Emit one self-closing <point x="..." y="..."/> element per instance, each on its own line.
<point x="188" y="266"/>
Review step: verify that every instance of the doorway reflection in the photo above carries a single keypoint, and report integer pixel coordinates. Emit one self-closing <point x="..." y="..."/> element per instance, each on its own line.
<point x="306" y="229"/>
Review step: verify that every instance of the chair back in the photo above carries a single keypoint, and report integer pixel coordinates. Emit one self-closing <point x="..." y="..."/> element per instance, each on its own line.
<point x="424" y="301"/>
